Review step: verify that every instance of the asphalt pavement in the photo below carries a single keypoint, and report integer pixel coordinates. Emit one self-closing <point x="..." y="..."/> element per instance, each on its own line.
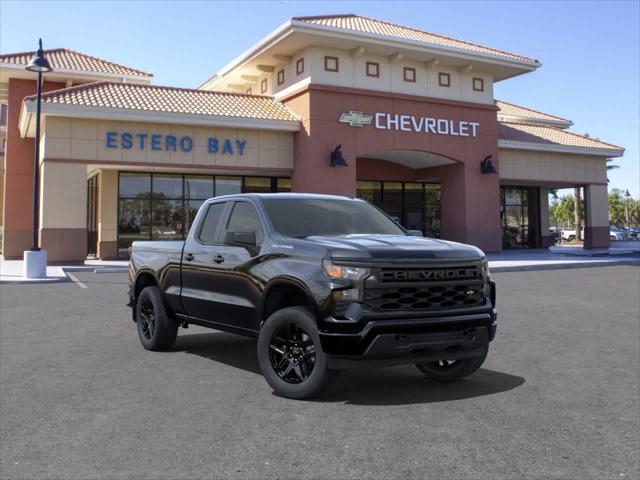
<point x="558" y="396"/>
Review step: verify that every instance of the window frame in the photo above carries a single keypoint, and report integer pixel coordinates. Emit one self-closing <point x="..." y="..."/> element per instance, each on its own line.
<point x="216" y="236"/>
<point x="377" y="67"/>
<point x="280" y="76"/>
<point x="444" y="75"/>
<point x="300" y="66"/>
<point x="407" y="70"/>
<point x="327" y="59"/>
<point x="480" y="82"/>
<point x="264" y="85"/>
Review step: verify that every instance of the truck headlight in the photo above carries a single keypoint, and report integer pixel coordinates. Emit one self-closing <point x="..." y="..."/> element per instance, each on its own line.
<point x="344" y="272"/>
<point x="485" y="268"/>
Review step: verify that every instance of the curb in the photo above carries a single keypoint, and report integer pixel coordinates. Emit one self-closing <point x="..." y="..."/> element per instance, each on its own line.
<point x="563" y="266"/>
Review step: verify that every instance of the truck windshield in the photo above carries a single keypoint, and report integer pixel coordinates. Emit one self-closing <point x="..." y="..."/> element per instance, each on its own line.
<point x="304" y="217"/>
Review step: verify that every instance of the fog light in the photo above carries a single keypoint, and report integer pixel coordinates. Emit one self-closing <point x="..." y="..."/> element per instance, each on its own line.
<point x="351" y="295"/>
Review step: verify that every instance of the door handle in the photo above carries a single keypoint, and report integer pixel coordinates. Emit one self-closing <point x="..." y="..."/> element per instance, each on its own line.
<point x="188" y="257"/>
<point x="218" y="259"/>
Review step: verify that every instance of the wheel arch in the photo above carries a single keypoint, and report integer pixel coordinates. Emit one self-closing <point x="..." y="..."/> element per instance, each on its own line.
<point x="285" y="292"/>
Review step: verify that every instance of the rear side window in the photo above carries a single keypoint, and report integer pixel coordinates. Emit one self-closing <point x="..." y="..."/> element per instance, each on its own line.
<point x="244" y="218"/>
<point x="210" y="224"/>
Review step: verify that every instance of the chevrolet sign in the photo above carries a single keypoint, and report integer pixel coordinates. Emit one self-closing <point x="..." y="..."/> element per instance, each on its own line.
<point x="355" y="119"/>
<point x="411" y="123"/>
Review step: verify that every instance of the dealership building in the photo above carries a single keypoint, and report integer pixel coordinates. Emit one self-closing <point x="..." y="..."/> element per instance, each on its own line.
<point x="338" y="104"/>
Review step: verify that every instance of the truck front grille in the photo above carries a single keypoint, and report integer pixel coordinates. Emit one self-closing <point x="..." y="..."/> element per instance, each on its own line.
<point x="424" y="297"/>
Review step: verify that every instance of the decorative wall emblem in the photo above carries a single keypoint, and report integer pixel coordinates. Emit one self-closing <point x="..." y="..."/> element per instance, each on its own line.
<point x="356" y="119"/>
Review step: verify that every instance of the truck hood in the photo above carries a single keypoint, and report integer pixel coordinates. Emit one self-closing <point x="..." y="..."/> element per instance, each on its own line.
<point x="394" y="247"/>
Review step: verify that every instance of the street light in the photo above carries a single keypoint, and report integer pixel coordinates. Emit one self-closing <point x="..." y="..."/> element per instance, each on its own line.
<point x="35" y="260"/>
<point x="626" y="208"/>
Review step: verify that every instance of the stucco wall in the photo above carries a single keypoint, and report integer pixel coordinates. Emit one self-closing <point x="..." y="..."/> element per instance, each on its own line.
<point x="352" y="73"/>
<point x="85" y="140"/>
<point x="551" y="167"/>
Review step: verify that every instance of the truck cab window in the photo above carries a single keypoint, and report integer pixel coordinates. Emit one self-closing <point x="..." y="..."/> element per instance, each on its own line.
<point x="210" y="224"/>
<point x="244" y="218"/>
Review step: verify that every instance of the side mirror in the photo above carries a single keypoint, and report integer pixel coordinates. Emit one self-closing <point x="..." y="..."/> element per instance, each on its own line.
<point x="245" y="239"/>
<point x="415" y="233"/>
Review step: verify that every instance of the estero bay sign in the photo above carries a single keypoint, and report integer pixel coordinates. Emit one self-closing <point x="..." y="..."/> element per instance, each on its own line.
<point x="411" y="123"/>
<point x="171" y="143"/>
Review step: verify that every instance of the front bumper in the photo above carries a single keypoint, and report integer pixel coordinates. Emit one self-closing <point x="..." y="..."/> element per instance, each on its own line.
<point x="394" y="341"/>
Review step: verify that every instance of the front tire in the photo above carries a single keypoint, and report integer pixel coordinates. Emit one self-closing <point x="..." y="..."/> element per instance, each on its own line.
<point x="156" y="329"/>
<point x="452" y="370"/>
<point x="290" y="355"/>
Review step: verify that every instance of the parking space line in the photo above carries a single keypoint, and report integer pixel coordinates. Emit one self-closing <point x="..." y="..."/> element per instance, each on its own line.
<point x="75" y="280"/>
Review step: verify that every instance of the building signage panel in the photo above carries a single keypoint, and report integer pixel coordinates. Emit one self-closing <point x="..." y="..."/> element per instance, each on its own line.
<point x="171" y="143"/>
<point x="411" y="123"/>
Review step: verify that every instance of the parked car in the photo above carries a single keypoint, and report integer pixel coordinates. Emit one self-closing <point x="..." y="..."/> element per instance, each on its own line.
<point x="619" y="234"/>
<point x="324" y="283"/>
<point x="569" y="234"/>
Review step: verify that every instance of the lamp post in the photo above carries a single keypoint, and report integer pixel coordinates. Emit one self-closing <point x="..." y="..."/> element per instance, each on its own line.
<point x="626" y="208"/>
<point x="35" y="260"/>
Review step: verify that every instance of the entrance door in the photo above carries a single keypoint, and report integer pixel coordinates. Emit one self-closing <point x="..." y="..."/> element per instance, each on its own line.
<point x="519" y="217"/>
<point x="92" y="216"/>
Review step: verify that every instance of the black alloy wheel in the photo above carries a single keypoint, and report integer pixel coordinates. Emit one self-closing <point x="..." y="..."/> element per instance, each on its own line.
<point x="452" y="370"/>
<point x="147" y="318"/>
<point x="292" y="353"/>
<point x="157" y="329"/>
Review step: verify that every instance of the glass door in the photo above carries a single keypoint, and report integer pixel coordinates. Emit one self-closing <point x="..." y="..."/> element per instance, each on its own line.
<point x="92" y="216"/>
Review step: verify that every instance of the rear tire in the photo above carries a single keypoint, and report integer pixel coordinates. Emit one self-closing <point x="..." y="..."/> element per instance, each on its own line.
<point x="452" y="370"/>
<point x="290" y="355"/>
<point x="156" y="329"/>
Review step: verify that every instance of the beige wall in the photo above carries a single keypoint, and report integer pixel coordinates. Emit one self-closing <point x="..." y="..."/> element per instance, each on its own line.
<point x="63" y="195"/>
<point x="552" y="167"/>
<point x="597" y="206"/>
<point x="80" y="139"/>
<point x="352" y="73"/>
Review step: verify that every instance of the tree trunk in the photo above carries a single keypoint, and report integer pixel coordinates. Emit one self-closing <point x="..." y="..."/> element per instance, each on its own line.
<point x="576" y="209"/>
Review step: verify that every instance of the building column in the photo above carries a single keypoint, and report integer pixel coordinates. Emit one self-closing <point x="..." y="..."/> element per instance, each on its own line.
<point x="18" y="173"/>
<point x="63" y="211"/>
<point x="470" y="205"/>
<point x="108" y="215"/>
<point x="546" y="240"/>
<point x="596" y="216"/>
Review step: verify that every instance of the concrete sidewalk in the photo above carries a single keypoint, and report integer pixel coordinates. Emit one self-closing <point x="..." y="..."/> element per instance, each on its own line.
<point x="507" y="261"/>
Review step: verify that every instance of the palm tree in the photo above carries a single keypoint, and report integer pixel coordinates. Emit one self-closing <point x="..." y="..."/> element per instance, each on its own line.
<point x="576" y="210"/>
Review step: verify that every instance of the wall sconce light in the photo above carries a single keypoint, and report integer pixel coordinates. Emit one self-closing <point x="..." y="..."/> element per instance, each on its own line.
<point x="486" y="166"/>
<point x="337" y="160"/>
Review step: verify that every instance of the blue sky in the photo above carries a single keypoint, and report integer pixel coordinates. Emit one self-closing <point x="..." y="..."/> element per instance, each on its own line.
<point x="589" y="50"/>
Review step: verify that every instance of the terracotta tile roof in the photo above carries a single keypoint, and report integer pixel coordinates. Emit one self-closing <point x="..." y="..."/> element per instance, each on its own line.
<point x="513" y="110"/>
<point x="517" y="132"/>
<point x="65" y="59"/>
<point x="152" y="98"/>
<point x="379" y="27"/>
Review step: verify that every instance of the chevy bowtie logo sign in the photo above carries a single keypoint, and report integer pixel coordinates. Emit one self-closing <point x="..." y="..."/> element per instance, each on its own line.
<point x="411" y="123"/>
<point x="355" y="119"/>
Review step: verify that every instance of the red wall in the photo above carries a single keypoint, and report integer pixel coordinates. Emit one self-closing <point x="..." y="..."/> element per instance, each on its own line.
<point x="470" y="200"/>
<point x="18" y="177"/>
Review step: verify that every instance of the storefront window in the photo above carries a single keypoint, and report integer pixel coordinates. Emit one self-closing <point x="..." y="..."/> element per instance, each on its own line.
<point x="283" y="185"/>
<point x="228" y="186"/>
<point x="164" y="206"/>
<point x="415" y="205"/>
<point x="257" y="185"/>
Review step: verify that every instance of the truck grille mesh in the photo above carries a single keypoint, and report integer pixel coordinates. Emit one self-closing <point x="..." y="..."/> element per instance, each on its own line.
<point x="424" y="297"/>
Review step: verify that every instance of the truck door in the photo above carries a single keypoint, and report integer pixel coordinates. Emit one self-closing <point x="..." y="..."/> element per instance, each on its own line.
<point x="218" y="287"/>
<point x="201" y="249"/>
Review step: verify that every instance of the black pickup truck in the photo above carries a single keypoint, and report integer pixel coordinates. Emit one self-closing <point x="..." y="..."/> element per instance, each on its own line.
<point x="325" y="283"/>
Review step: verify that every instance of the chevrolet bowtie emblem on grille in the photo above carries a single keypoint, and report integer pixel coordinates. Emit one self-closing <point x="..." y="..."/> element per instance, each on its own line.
<point x="355" y="119"/>
<point x="470" y="292"/>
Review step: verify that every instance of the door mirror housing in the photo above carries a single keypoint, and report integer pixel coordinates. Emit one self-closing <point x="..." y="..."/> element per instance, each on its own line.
<point x="415" y="233"/>
<point x="245" y="239"/>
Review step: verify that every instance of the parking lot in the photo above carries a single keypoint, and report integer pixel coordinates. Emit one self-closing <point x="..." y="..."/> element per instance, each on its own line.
<point x="557" y="398"/>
